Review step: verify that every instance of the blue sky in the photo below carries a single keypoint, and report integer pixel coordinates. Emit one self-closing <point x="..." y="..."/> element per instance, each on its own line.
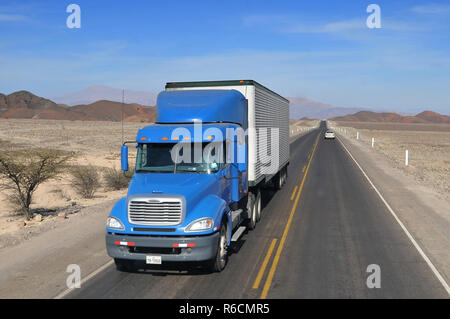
<point x="321" y="50"/>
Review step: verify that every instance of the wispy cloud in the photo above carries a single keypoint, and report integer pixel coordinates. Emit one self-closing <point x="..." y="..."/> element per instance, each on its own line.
<point x="4" y="17"/>
<point x="431" y="9"/>
<point x="332" y="27"/>
<point x="291" y="24"/>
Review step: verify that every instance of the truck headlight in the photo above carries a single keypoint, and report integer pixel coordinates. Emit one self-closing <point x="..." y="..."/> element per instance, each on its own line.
<point x="201" y="224"/>
<point x="115" y="223"/>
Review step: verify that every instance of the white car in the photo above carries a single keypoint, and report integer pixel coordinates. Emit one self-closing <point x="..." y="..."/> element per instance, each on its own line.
<point x="330" y="134"/>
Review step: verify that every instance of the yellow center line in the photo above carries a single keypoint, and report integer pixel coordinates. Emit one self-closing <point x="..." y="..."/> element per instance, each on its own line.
<point x="264" y="264"/>
<point x="293" y="193"/>
<point x="286" y="230"/>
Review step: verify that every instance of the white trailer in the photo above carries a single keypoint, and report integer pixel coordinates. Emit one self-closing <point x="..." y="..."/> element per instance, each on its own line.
<point x="267" y="110"/>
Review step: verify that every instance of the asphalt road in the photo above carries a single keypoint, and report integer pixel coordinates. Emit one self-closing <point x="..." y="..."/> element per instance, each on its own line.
<point x="316" y="239"/>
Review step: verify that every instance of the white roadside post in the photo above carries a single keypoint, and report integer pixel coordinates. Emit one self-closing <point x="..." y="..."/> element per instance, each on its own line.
<point x="406" y="158"/>
<point x="373" y="141"/>
<point x="357" y="135"/>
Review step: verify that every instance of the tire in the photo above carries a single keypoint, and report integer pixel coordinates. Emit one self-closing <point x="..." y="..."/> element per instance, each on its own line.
<point x="251" y="211"/>
<point x="258" y="206"/>
<point x="279" y="180"/>
<point x="124" y="265"/>
<point x="220" y="261"/>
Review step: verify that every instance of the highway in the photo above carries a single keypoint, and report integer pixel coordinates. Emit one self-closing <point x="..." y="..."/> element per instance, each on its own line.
<point x="316" y="238"/>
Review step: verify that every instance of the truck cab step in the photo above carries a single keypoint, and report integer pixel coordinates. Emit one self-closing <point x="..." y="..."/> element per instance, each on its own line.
<point x="238" y="233"/>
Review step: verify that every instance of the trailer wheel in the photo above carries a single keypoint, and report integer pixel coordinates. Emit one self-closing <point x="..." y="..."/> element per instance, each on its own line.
<point x="279" y="181"/>
<point x="251" y="211"/>
<point x="124" y="265"/>
<point x="258" y="206"/>
<point x="218" y="264"/>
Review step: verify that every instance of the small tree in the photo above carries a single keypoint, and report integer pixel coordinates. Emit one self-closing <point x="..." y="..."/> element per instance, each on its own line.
<point x="85" y="180"/>
<point x="24" y="170"/>
<point x="117" y="179"/>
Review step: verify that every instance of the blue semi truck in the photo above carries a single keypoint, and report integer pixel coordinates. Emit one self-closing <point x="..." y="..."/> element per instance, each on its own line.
<point x="199" y="173"/>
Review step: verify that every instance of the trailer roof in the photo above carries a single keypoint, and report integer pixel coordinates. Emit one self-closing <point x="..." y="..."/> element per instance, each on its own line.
<point x="174" y="85"/>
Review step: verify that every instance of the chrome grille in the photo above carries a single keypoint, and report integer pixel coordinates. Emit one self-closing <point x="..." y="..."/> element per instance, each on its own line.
<point x="167" y="211"/>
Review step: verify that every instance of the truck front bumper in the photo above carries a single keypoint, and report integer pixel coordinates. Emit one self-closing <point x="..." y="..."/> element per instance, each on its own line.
<point x="173" y="249"/>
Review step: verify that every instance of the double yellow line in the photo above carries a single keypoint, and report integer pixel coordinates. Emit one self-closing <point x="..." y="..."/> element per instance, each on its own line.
<point x="283" y="237"/>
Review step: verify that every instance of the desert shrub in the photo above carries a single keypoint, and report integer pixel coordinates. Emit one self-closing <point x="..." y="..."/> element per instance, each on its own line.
<point x="85" y="180"/>
<point x="117" y="179"/>
<point x="24" y="170"/>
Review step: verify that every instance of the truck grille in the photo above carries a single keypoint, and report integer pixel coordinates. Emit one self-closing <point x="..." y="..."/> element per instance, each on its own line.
<point x="168" y="211"/>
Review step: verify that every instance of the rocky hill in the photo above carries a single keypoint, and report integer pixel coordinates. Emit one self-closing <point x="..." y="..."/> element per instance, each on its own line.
<point x="367" y="116"/>
<point x="23" y="104"/>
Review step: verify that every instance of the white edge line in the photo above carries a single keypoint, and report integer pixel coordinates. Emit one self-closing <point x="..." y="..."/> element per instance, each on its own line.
<point x="411" y="238"/>
<point x="84" y="280"/>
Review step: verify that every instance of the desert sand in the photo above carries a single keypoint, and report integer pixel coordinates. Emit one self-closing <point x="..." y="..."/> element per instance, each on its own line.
<point x="95" y="143"/>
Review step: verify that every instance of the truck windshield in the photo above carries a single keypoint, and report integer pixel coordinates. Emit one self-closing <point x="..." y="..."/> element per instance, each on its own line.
<point x="170" y="158"/>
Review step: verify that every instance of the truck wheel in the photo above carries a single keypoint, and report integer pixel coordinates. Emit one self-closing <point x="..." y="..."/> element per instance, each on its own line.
<point x="219" y="263"/>
<point x="279" y="180"/>
<point x="251" y="211"/>
<point x="124" y="265"/>
<point x="258" y="206"/>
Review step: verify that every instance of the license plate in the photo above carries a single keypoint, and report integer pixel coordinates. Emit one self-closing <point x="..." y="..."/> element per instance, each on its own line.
<point x="153" y="260"/>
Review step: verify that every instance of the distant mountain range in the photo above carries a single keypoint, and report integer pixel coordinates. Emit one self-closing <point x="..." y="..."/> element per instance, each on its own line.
<point x="367" y="116"/>
<point x="300" y="107"/>
<point x="101" y="92"/>
<point x="23" y="104"/>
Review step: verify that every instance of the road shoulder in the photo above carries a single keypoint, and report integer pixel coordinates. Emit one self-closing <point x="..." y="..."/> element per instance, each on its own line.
<point x="424" y="213"/>
<point x="37" y="268"/>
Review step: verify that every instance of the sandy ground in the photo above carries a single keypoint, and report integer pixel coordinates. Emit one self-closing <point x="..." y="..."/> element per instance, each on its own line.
<point x="428" y="147"/>
<point x="95" y="143"/>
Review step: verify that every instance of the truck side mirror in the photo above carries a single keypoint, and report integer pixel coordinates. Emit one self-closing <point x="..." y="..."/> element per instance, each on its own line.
<point x="124" y="158"/>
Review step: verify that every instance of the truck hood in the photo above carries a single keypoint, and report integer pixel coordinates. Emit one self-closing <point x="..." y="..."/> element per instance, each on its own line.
<point x="193" y="186"/>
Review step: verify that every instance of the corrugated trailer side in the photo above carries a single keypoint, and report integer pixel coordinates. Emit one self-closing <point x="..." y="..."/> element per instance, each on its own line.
<point x="271" y="112"/>
<point x="266" y="110"/>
